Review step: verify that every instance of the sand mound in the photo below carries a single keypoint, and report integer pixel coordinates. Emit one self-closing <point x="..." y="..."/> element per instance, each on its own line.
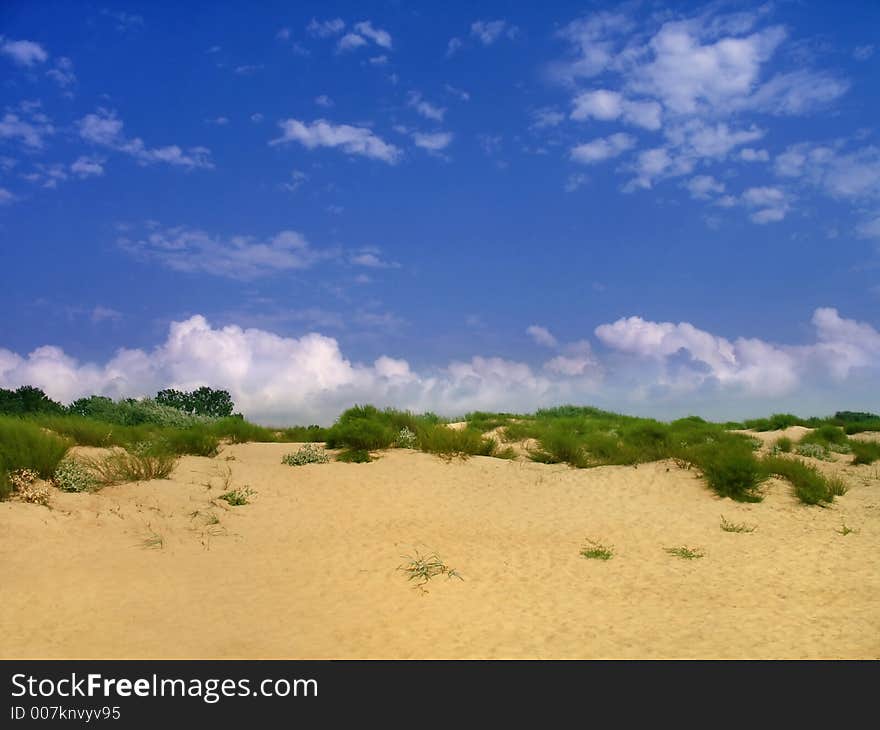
<point x="309" y="568"/>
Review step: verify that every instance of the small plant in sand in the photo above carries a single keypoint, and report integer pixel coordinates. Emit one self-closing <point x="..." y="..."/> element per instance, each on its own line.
<point x="407" y="439"/>
<point x="308" y="454"/>
<point x="73" y="476"/>
<point x="597" y="551"/>
<point x="238" y="497"/>
<point x="23" y="482"/>
<point x="422" y="569"/>
<point x="844" y="530"/>
<point x="685" y="553"/>
<point x="814" y="451"/>
<point x="728" y="526"/>
<point x="354" y="456"/>
<point x="154" y="542"/>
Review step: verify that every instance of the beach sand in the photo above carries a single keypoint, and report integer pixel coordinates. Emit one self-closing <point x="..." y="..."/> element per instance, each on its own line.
<point x="309" y="569"/>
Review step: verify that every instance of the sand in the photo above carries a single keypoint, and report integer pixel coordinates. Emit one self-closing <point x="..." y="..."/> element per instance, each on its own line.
<point x="308" y="569"/>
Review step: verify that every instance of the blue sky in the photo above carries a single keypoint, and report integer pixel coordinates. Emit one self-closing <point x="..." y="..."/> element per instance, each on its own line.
<point x="660" y="208"/>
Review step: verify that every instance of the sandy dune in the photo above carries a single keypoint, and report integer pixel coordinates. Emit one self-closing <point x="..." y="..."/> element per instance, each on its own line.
<point x="309" y="568"/>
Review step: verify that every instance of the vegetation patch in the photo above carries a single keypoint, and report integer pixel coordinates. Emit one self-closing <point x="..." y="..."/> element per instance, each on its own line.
<point x="309" y="454"/>
<point x="74" y="476"/>
<point x="729" y="526"/>
<point x="597" y="551"/>
<point x="685" y="553"/>
<point x="422" y="569"/>
<point x="809" y="484"/>
<point x="238" y="497"/>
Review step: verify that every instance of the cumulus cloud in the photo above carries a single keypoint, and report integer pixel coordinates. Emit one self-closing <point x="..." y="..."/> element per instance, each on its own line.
<point x="325" y="28"/>
<point x="308" y="379"/>
<point x="842" y="174"/>
<point x="432" y="141"/>
<point x="602" y="148"/>
<point x="351" y="140"/>
<point x="704" y="187"/>
<point x="606" y="105"/>
<point x="771" y="203"/>
<point x="377" y="35"/>
<point x="105" y="129"/>
<point x="541" y="335"/>
<point x="27" y="124"/>
<point x="425" y="108"/>
<point x="193" y="250"/>
<point x="23" y="53"/>
<point x="87" y="167"/>
<point x="489" y="31"/>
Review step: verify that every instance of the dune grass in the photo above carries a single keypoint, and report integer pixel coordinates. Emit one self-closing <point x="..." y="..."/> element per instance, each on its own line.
<point x="810" y="486"/>
<point x="865" y="452"/>
<point x="121" y="466"/>
<point x="595" y="550"/>
<point x="24" y="445"/>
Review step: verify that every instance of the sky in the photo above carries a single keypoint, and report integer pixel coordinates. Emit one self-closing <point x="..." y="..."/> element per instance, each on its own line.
<point x="658" y="208"/>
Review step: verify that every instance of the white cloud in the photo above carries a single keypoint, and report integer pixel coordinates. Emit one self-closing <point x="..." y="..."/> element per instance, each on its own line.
<point x="704" y="187"/>
<point x="256" y="117"/>
<point x="546" y="117"/>
<point x="283" y="34"/>
<point x="23" y="53"/>
<point x="297" y="179"/>
<point x="771" y="202"/>
<point x="489" y="31"/>
<point x="62" y="74"/>
<point x="424" y="108"/>
<point x="324" y="101"/>
<point x="377" y="35"/>
<point x="453" y="46"/>
<point x="541" y="335"/>
<point x="326" y="28"/>
<point x="432" y="141"/>
<point x="351" y="140"/>
<point x="350" y="42"/>
<point x="379" y="60"/>
<point x="87" y="167"/>
<point x="846" y="175"/>
<point x="602" y="148"/>
<point x="607" y="105"/>
<point x="236" y="257"/>
<point x="750" y="154"/>
<point x="6" y="197"/>
<point x="104" y="128"/>
<point x="460" y="93"/>
<point x="370" y="258"/>
<point x="31" y="129"/>
<point x="863" y="53"/>
<point x="283" y="380"/>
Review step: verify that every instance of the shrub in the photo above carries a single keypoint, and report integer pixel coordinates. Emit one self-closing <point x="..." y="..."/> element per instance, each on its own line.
<point x="809" y="484"/>
<point x="407" y="439"/>
<point x="865" y="452"/>
<point x="360" y="433"/>
<point x="309" y="454"/>
<point x="783" y="445"/>
<point x="24" y="445"/>
<point x="238" y="497"/>
<point x="303" y="434"/>
<point x="730" y="468"/>
<point x="23" y="482"/>
<point x="73" y="476"/>
<point x="449" y="442"/>
<point x="826" y="436"/>
<point x="354" y="456"/>
<point x="558" y="445"/>
<point x="814" y="451"/>
<point x="195" y="441"/>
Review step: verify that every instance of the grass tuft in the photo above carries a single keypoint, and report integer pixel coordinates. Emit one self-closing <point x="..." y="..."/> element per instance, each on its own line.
<point x="728" y="526"/>
<point x="685" y="553"/>
<point x="597" y="551"/>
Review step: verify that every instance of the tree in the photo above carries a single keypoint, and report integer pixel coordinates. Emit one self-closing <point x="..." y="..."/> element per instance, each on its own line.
<point x="27" y="399"/>
<point x="203" y="401"/>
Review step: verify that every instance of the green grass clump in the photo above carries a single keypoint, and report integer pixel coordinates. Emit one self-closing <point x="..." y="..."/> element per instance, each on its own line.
<point x="865" y="452"/>
<point x="24" y="445"/>
<point x="194" y="440"/>
<point x="139" y="465"/>
<point x="448" y="442"/>
<point x="309" y="454"/>
<point x="301" y="434"/>
<point x="730" y="469"/>
<point x="597" y="551"/>
<point x="423" y="569"/>
<point x="238" y="497"/>
<point x="809" y="484"/>
<point x="827" y="436"/>
<point x="482" y="421"/>
<point x="685" y="553"/>
<point x="783" y="445"/>
<point x="354" y="456"/>
<point x="729" y="526"/>
<point x="5" y="483"/>
<point x="74" y="476"/>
